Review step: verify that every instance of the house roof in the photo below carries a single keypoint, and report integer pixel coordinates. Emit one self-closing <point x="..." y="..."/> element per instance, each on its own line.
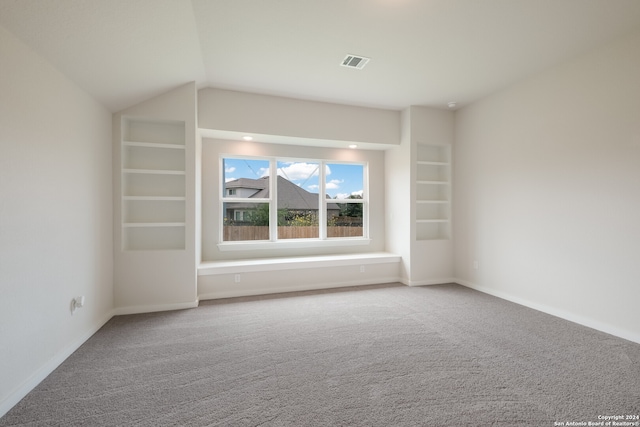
<point x="253" y="184"/>
<point x="290" y="195"/>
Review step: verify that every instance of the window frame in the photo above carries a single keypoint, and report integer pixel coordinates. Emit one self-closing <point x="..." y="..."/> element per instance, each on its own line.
<point x="322" y="240"/>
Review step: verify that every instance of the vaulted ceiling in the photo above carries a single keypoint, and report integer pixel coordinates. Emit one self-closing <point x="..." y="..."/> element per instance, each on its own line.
<point x="423" y="52"/>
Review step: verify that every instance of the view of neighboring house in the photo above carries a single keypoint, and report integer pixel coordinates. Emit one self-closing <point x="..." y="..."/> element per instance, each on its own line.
<point x="246" y="187"/>
<point x="295" y="199"/>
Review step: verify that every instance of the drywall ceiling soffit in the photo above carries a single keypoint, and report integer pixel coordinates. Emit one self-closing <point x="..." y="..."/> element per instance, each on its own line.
<point x="291" y="140"/>
<point x="423" y="52"/>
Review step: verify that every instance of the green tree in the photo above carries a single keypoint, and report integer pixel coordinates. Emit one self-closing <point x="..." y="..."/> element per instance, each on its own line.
<point x="260" y="215"/>
<point x="351" y="209"/>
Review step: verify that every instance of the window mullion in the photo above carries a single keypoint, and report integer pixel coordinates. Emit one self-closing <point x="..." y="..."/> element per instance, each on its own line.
<point x="221" y="201"/>
<point x="273" y="201"/>
<point x="365" y="201"/>
<point x="322" y="203"/>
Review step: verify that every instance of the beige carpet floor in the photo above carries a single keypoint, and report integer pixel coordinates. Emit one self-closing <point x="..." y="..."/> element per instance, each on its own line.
<point x="384" y="355"/>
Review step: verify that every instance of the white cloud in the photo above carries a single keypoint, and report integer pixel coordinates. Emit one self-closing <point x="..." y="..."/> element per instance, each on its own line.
<point x="230" y="169"/>
<point x="229" y="179"/>
<point x="298" y="171"/>
<point x="313" y="187"/>
<point x="347" y="195"/>
<point x="334" y="184"/>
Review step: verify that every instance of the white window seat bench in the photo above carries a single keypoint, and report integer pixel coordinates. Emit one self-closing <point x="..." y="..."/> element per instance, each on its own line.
<point x="224" y="279"/>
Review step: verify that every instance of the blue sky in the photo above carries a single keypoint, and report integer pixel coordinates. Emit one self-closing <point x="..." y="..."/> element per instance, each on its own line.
<point x="341" y="179"/>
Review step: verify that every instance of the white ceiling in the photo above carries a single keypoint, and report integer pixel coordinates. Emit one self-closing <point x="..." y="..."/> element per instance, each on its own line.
<point x="423" y="52"/>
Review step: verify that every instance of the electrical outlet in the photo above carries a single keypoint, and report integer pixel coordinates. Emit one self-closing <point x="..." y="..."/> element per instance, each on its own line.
<point x="236" y="278"/>
<point x="362" y="269"/>
<point x="76" y="303"/>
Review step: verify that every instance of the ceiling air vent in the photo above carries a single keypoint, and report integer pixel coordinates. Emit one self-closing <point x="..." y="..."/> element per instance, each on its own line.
<point x="353" y="61"/>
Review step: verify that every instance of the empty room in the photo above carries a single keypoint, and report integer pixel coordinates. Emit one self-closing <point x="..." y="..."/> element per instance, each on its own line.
<point x="319" y="213"/>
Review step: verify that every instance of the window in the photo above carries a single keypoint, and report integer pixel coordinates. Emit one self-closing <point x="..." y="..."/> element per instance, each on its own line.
<point x="245" y="205"/>
<point x="344" y="186"/>
<point x="298" y="200"/>
<point x="310" y="200"/>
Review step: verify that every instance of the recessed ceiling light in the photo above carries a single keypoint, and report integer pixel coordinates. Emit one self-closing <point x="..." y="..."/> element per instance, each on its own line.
<point x="452" y="104"/>
<point x="353" y="146"/>
<point x="247" y="138"/>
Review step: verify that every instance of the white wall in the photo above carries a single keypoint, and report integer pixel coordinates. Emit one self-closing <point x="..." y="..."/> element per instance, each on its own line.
<point x="55" y="218"/>
<point x="547" y="190"/>
<point x="397" y="163"/>
<point x="288" y="119"/>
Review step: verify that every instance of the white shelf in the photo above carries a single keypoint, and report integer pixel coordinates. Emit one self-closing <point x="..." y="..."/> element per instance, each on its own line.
<point x="168" y="132"/>
<point x="432" y="193"/>
<point x="152" y="145"/>
<point x="433" y="154"/>
<point x="153" y="238"/>
<point x="153" y="185"/>
<point x="432" y="231"/>
<point x="433" y="182"/>
<point x="155" y="198"/>
<point x="153" y="171"/>
<point x="425" y="162"/>
<point x="153" y="224"/>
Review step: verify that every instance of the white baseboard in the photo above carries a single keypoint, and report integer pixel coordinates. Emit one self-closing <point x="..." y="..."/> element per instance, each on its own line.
<point x="563" y="314"/>
<point x="429" y="282"/>
<point x="279" y="290"/>
<point x="45" y="370"/>
<point x="137" y="309"/>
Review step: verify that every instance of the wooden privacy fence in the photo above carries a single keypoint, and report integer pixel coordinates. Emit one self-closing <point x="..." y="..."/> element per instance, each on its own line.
<point x="234" y="233"/>
<point x="344" y="231"/>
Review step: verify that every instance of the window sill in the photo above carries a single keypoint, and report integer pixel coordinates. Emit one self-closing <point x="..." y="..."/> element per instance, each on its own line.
<point x="288" y="244"/>
<point x="209" y="268"/>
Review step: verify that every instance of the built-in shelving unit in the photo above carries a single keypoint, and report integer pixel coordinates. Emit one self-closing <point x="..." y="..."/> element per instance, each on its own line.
<point x="153" y="184"/>
<point x="154" y="166"/>
<point x="433" y="192"/>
